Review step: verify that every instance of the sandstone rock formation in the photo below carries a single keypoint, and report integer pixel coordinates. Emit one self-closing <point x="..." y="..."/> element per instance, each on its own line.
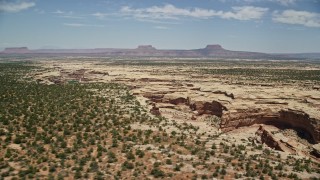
<point x="309" y="127"/>
<point x="267" y="138"/>
<point x="172" y="99"/>
<point x="154" y="97"/>
<point x="208" y="107"/>
<point x="56" y="79"/>
<point x="211" y="107"/>
<point x="155" y="110"/>
<point x="98" y="72"/>
<point x="316" y="150"/>
<point x="225" y="93"/>
<point x="302" y="121"/>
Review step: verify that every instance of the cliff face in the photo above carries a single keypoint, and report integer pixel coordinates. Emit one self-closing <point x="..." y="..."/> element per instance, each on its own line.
<point x="302" y="121"/>
<point x="284" y="118"/>
<point x="308" y="127"/>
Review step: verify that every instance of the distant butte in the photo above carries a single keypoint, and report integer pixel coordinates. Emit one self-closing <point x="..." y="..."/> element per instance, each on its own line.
<point x="214" y="47"/>
<point x="212" y="51"/>
<point x="16" y="50"/>
<point x="146" y="47"/>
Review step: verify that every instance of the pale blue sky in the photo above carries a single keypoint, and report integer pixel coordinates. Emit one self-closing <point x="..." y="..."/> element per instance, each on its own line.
<point x="250" y="25"/>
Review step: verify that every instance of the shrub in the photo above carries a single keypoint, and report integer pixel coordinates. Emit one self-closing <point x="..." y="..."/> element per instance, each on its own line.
<point x="157" y="173"/>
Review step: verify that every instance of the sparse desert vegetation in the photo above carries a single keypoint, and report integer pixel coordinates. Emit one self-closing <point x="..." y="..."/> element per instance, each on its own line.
<point x="97" y="123"/>
<point x="175" y="90"/>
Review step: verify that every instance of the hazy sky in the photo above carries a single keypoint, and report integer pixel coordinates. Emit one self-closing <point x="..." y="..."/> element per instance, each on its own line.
<point x="252" y="25"/>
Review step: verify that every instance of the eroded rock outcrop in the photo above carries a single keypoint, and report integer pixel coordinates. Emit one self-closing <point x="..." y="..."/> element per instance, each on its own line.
<point x="173" y="99"/>
<point x="99" y="72"/>
<point x="266" y="137"/>
<point x="316" y="150"/>
<point x="56" y="79"/>
<point x="301" y="120"/>
<point x="155" y="110"/>
<point x="205" y="107"/>
<point x="288" y="118"/>
<point x="154" y="97"/>
<point x="201" y="106"/>
<point x="240" y="118"/>
<point x="152" y="80"/>
<point x="224" y="93"/>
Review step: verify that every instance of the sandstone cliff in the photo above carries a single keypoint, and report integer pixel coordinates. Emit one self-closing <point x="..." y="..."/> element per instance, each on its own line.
<point x="308" y="127"/>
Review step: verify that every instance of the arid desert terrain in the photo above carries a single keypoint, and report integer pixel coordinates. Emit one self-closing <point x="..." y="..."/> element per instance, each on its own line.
<point x="170" y="118"/>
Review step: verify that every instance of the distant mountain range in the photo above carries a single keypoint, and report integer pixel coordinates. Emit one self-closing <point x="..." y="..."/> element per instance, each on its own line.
<point x="215" y="51"/>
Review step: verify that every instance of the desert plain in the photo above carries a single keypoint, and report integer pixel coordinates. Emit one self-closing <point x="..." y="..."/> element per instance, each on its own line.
<point x="168" y="118"/>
